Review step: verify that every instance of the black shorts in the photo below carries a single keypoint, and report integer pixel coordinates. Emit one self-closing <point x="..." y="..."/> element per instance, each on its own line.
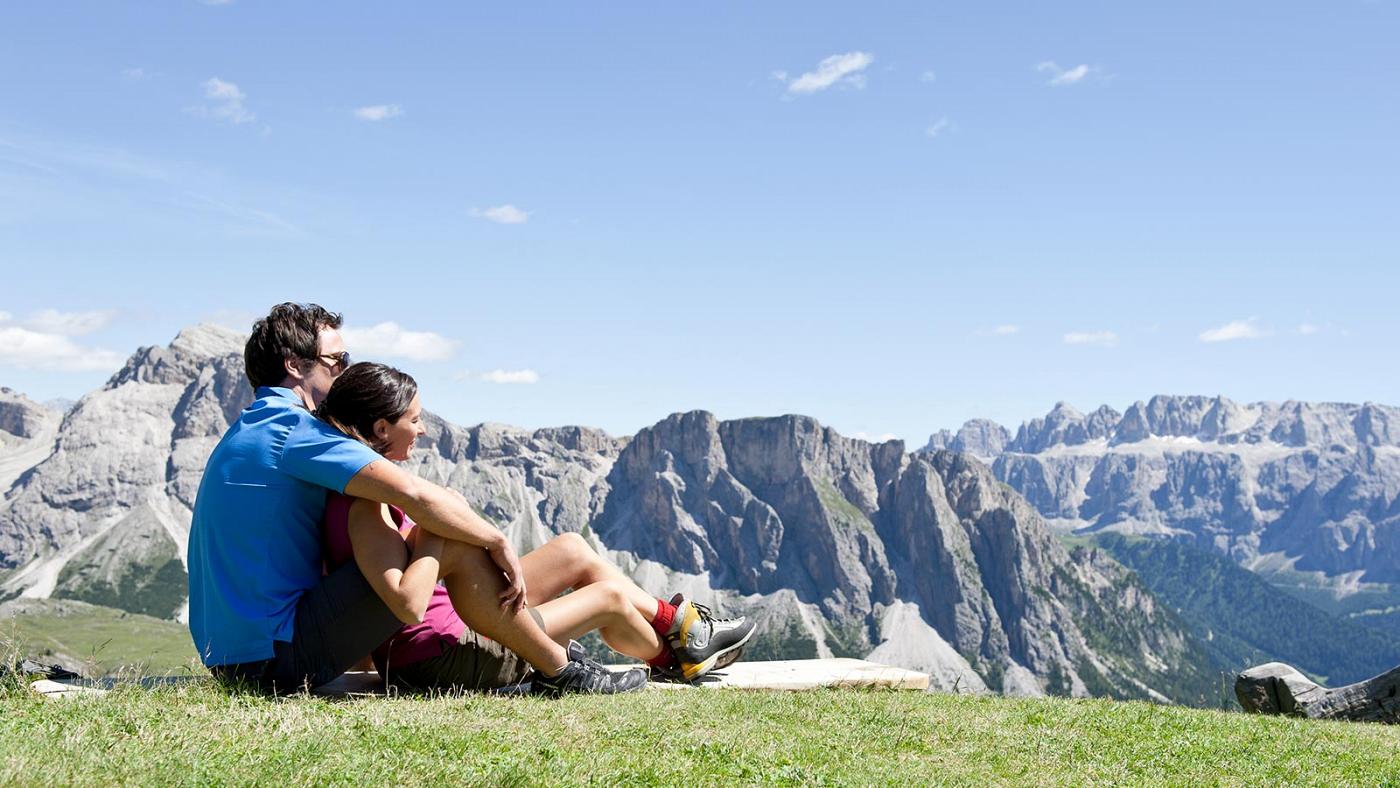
<point x="338" y="622"/>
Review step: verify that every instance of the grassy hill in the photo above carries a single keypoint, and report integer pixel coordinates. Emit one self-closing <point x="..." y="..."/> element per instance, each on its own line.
<point x="1245" y="620"/>
<point x="197" y="734"/>
<point x="96" y="640"/>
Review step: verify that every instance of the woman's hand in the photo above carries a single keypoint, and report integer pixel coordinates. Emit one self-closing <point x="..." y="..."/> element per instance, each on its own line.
<point x="504" y="556"/>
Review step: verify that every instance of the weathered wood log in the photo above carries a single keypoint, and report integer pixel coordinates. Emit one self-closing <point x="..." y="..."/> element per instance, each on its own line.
<point x="1276" y="688"/>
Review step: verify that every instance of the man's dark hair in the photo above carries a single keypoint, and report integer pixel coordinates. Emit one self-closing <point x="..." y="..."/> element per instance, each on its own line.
<point x="289" y="331"/>
<point x="364" y="394"/>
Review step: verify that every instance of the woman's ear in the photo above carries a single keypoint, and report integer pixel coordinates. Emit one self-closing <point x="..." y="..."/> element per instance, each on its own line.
<point x="381" y="429"/>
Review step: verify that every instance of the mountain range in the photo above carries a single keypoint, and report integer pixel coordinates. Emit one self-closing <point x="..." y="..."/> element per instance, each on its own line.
<point x="944" y="559"/>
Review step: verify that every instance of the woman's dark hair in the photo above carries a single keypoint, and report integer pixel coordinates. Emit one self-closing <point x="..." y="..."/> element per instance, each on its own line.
<point x="289" y="331"/>
<point x="364" y="394"/>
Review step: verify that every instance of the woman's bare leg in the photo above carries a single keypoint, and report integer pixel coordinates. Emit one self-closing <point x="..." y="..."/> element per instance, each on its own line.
<point x="606" y="607"/>
<point x="567" y="561"/>
<point x="474" y="583"/>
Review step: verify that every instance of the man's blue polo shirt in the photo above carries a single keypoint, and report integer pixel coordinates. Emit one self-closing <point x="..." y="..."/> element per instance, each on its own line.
<point x="255" y="543"/>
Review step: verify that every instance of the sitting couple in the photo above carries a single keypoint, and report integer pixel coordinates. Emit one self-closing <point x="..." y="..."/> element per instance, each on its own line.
<point x="286" y="493"/>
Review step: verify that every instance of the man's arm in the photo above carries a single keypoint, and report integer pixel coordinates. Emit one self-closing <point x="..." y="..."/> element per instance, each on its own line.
<point x="440" y="511"/>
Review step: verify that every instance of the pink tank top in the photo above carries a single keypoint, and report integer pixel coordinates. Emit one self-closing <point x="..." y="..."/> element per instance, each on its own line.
<point x="441" y="627"/>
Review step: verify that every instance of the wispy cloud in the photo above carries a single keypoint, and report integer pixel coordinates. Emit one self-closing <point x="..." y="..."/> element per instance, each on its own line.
<point x="868" y="438"/>
<point x="1308" y="329"/>
<point x="1100" y="338"/>
<point x="1005" y="330"/>
<point x="71" y="324"/>
<point x="928" y="76"/>
<point x="224" y="101"/>
<point x="253" y="220"/>
<point x="1235" y="329"/>
<point x="134" y="74"/>
<point x="502" y="214"/>
<point x="509" y="376"/>
<point x="390" y="339"/>
<point x="844" y="69"/>
<point x="27" y="348"/>
<point x="378" y="112"/>
<point x="1059" y="77"/>
<point x="937" y="127"/>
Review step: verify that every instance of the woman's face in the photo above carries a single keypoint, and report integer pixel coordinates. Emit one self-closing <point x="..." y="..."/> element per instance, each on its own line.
<point x="398" y="437"/>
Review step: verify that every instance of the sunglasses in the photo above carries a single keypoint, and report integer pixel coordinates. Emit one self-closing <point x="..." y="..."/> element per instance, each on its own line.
<point x="339" y="360"/>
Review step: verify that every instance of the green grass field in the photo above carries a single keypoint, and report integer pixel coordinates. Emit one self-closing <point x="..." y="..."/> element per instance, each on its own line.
<point x="95" y="640"/>
<point x="198" y="733"/>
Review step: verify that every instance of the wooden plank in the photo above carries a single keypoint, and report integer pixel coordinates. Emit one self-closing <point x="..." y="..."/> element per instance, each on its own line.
<point x="807" y="674"/>
<point x="796" y="674"/>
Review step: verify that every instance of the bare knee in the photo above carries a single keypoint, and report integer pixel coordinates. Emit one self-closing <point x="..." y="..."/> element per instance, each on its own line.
<point x="463" y="558"/>
<point x="572" y="545"/>
<point x="613" y="595"/>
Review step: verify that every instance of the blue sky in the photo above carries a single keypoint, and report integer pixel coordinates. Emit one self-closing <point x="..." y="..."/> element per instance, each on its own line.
<point x="891" y="218"/>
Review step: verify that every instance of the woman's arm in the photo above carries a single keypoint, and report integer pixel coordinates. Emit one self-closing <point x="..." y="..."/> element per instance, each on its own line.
<point x="403" y="579"/>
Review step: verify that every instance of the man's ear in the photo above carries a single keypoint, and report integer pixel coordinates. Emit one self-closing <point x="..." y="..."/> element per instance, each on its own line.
<point x="293" y="367"/>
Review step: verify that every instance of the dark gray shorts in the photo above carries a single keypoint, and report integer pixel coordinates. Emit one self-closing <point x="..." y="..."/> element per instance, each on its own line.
<point x="337" y="623"/>
<point x="475" y="662"/>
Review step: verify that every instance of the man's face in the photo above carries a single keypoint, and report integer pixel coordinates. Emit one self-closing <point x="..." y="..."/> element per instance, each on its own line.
<point x="326" y="367"/>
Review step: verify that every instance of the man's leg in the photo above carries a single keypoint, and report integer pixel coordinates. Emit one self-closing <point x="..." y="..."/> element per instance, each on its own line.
<point x="337" y="622"/>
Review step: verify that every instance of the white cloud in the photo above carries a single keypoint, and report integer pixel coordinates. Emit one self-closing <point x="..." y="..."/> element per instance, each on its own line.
<point x="780" y="75"/>
<point x="1005" y="330"/>
<point x="1102" y="338"/>
<point x="511" y="376"/>
<point x="1062" y="76"/>
<point x="1308" y="329"/>
<point x="502" y="214"/>
<point x="864" y="436"/>
<point x="845" y="69"/>
<point x="71" y="324"/>
<point x="1235" y="329"/>
<point x="379" y="112"/>
<point x="225" y="102"/>
<point x="26" y="349"/>
<point x="389" y="339"/>
<point x="4" y="317"/>
<point x="938" y="127"/>
<point x="134" y="74"/>
<point x="928" y="76"/>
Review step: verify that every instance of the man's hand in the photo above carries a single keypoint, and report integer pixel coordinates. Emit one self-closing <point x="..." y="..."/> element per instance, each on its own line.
<point x="504" y="556"/>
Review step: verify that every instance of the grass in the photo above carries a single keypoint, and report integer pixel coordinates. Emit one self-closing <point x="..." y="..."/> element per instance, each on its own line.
<point x="197" y="733"/>
<point x="96" y="640"/>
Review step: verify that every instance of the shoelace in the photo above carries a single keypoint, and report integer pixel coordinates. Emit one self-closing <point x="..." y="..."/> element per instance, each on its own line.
<point x="706" y="615"/>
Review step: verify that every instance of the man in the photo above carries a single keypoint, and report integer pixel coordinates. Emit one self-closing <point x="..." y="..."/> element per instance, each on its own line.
<point x="260" y="611"/>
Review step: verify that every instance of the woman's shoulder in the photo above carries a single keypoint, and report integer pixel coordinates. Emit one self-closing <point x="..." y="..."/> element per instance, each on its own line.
<point x="365" y="510"/>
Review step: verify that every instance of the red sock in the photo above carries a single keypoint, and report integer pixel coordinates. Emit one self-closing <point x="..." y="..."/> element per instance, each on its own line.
<point x="665" y="614"/>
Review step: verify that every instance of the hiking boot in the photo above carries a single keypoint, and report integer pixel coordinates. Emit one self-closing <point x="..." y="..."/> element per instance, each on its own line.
<point x="703" y="643"/>
<point x="583" y="675"/>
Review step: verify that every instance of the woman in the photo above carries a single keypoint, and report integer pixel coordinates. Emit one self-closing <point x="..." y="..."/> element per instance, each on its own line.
<point x="379" y="405"/>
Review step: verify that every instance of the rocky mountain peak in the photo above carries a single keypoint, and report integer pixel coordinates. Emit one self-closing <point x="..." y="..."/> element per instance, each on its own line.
<point x="208" y="340"/>
<point x="23" y="417"/>
<point x="180" y="361"/>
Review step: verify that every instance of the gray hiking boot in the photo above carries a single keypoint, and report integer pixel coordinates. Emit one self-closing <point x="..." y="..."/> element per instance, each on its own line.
<point x="703" y="643"/>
